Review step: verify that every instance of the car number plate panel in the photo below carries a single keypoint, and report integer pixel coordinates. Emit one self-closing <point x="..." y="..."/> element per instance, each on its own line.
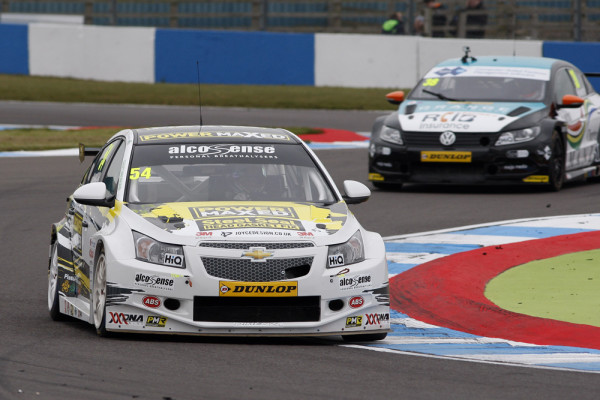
<point x="446" y="156"/>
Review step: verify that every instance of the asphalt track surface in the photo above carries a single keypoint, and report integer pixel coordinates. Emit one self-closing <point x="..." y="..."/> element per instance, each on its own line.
<point x="41" y="359"/>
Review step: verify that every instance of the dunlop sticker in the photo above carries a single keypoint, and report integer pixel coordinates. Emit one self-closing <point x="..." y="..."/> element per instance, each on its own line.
<point x="258" y="289"/>
<point x="446" y="156"/>
<point x="537" y="179"/>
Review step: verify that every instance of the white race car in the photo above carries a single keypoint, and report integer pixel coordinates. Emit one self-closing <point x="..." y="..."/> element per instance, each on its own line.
<point x="216" y="230"/>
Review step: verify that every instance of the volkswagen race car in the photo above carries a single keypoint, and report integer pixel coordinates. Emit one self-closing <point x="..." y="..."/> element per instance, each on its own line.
<point x="216" y="230"/>
<point x="490" y="119"/>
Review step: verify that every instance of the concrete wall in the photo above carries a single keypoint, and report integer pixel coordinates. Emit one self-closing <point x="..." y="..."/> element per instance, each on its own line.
<point x="262" y="58"/>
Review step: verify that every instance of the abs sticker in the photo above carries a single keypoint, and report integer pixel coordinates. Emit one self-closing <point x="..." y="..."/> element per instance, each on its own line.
<point x="356" y="302"/>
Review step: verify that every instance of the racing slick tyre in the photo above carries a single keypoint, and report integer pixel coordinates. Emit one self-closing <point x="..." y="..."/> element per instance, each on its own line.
<point x="99" y="295"/>
<point x="369" y="337"/>
<point x="53" y="303"/>
<point x="557" y="164"/>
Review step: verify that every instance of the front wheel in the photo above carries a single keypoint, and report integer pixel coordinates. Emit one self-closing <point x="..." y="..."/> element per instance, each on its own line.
<point x="99" y="295"/>
<point x="368" y="337"/>
<point x="556" y="164"/>
<point x="53" y="303"/>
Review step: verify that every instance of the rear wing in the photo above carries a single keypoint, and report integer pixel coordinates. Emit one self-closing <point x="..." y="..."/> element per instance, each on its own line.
<point x="90" y="151"/>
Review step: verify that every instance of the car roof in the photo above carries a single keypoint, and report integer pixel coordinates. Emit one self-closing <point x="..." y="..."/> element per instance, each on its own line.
<point x="213" y="134"/>
<point x="502" y="61"/>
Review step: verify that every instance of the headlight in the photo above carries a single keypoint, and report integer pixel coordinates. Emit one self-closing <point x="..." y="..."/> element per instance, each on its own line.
<point x="150" y="250"/>
<point x="522" y="135"/>
<point x="391" y="135"/>
<point x="351" y="252"/>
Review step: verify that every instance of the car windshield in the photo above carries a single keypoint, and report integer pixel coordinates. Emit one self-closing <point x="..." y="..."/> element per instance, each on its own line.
<point x="480" y="88"/>
<point x="225" y="172"/>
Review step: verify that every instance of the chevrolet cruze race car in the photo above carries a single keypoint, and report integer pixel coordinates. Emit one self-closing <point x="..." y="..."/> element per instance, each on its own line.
<point x="490" y="119"/>
<point x="216" y="230"/>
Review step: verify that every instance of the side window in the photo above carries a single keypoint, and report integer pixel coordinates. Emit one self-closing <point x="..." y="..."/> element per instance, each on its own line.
<point x="579" y="81"/>
<point x="563" y="85"/>
<point x="101" y="162"/>
<point x="111" y="179"/>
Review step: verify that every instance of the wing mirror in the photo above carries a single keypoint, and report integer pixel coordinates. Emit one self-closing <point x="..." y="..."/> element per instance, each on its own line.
<point x="94" y="194"/>
<point x="571" y="101"/>
<point x="356" y="192"/>
<point x="395" y="97"/>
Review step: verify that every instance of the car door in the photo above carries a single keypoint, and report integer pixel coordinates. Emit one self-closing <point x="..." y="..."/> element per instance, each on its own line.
<point x="581" y="133"/>
<point x="87" y="220"/>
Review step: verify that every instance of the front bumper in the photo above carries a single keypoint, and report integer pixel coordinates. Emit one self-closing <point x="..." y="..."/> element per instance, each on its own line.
<point x="151" y="298"/>
<point x="523" y="163"/>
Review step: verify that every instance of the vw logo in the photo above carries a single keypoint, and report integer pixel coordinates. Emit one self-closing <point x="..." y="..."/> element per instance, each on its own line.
<point x="447" y="138"/>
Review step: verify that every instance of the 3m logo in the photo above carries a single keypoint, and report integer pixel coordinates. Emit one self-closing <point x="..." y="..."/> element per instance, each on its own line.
<point x="125" y="319"/>
<point x="446" y="156"/>
<point x="258" y="289"/>
<point x="353" y="322"/>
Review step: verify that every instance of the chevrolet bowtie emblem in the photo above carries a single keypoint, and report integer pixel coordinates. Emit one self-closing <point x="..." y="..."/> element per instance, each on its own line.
<point x="257" y="254"/>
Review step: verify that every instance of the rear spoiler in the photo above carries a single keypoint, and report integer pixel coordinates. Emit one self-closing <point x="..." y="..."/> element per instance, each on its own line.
<point x="90" y="151"/>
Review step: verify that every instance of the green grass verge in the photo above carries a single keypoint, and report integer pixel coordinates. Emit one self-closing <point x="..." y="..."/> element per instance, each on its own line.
<point x="32" y="88"/>
<point x="46" y="139"/>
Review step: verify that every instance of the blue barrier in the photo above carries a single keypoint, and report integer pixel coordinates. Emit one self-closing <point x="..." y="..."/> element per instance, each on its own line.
<point x="252" y="58"/>
<point x="584" y="55"/>
<point x="14" y="49"/>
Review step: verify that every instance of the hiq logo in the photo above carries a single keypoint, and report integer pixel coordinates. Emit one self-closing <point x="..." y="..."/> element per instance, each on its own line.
<point x="336" y="260"/>
<point x="173" y="259"/>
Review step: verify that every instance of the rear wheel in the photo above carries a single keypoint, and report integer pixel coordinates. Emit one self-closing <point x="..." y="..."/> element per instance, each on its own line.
<point x="99" y="295"/>
<point x="368" y="337"/>
<point x="557" y="164"/>
<point x="53" y="303"/>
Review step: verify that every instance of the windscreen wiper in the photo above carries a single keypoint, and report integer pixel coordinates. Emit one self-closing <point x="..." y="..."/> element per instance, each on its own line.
<point x="439" y="95"/>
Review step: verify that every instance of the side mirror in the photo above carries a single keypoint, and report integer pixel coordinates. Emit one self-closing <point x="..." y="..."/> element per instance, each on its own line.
<point x="571" y="101"/>
<point x="356" y="192"/>
<point x="94" y="194"/>
<point x="395" y="97"/>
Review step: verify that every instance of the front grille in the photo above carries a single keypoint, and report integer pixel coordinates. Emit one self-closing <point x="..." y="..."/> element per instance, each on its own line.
<point x="257" y="309"/>
<point x="268" y="245"/>
<point x="463" y="139"/>
<point x="241" y="269"/>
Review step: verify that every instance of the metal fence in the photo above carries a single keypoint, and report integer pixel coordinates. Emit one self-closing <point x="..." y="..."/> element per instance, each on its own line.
<point x="577" y="20"/>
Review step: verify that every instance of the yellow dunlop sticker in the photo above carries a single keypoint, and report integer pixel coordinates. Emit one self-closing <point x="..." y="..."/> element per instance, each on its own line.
<point x="258" y="289"/>
<point x="537" y="179"/>
<point x="446" y="156"/>
<point x="375" y="177"/>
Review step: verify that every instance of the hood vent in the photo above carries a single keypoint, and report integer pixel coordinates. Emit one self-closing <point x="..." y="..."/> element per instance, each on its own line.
<point x="518" y="111"/>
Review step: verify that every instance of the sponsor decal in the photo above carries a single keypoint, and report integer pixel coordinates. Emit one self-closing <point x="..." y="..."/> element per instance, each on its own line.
<point x="237" y="135"/>
<point x="377" y="319"/>
<point x="221" y="151"/>
<point x="257" y="254"/>
<point x="151" y="301"/>
<point x="248" y="222"/>
<point x="154" y="281"/>
<point x="446" y="156"/>
<point x="258" y="289"/>
<point x="353" y="322"/>
<point x="156" y="321"/>
<point x="263" y="232"/>
<point x="336" y="260"/>
<point x="243" y="211"/>
<point x="125" y="319"/>
<point x="78" y="223"/>
<point x="305" y="234"/>
<point x="355" y="282"/>
<point x="202" y="234"/>
<point x="541" y="74"/>
<point x="537" y="179"/>
<point x="341" y="272"/>
<point x="175" y="260"/>
<point x="356" y="302"/>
